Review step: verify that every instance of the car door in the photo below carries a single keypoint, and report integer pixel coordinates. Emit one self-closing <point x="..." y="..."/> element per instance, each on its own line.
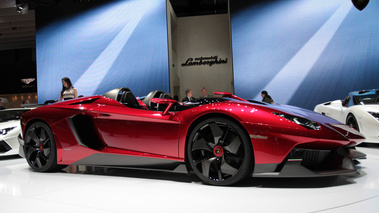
<point x="138" y="130"/>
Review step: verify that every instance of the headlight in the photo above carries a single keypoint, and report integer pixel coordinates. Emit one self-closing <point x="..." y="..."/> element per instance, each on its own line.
<point x="6" y="130"/>
<point x="300" y="121"/>
<point x="375" y="115"/>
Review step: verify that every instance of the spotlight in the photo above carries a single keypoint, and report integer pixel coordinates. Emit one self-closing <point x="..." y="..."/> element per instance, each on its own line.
<point x="22" y="8"/>
<point x="360" y="4"/>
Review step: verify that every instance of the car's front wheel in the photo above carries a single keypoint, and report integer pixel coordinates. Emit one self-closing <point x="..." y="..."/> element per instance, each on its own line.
<point x="352" y="122"/>
<point x="40" y="149"/>
<point x="220" y="152"/>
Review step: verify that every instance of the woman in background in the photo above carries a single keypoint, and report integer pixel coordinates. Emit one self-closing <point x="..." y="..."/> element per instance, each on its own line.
<point x="266" y="97"/>
<point x="68" y="91"/>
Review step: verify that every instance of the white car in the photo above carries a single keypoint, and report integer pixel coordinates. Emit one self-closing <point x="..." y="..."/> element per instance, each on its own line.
<point x="9" y="130"/>
<point x="359" y="110"/>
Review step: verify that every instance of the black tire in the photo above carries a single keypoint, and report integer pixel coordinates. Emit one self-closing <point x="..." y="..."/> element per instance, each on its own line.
<point x="220" y="152"/>
<point x="40" y="149"/>
<point x="352" y="122"/>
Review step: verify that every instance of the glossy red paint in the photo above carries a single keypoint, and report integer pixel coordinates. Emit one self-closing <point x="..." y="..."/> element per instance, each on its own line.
<point x="112" y="128"/>
<point x="149" y="132"/>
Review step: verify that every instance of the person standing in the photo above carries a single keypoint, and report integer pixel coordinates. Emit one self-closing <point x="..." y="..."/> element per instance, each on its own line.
<point x="188" y="97"/>
<point x="266" y="97"/>
<point x="204" y="93"/>
<point x="68" y="90"/>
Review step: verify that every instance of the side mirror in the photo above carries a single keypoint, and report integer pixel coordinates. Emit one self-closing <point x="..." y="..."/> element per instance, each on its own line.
<point x="169" y="103"/>
<point x="360" y="4"/>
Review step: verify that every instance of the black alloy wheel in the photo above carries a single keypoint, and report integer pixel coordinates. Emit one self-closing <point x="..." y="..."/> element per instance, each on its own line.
<point x="352" y="122"/>
<point x="220" y="152"/>
<point x="40" y="149"/>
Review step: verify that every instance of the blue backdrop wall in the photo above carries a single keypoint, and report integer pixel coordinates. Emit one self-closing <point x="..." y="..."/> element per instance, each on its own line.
<point x="304" y="52"/>
<point x="103" y="46"/>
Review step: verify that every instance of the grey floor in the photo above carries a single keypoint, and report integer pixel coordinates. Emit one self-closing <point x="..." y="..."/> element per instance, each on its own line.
<point x="88" y="189"/>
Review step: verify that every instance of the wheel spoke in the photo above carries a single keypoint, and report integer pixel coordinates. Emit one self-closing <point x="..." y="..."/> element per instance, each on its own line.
<point x="30" y="150"/>
<point x="233" y="146"/>
<point x="42" y="135"/>
<point x="43" y="157"/>
<point x="352" y="122"/>
<point x="206" y="166"/>
<point x="40" y="150"/>
<point x="38" y="162"/>
<point x="354" y="125"/>
<point x="206" y="133"/>
<point x="216" y="168"/>
<point x="31" y="144"/>
<point x="233" y="160"/>
<point x="31" y="155"/>
<point x="200" y="157"/>
<point x="46" y="151"/>
<point x="217" y="132"/>
<point x="227" y="169"/>
<point x="219" y="175"/>
<point x="219" y="152"/>
<point x="46" y="142"/>
<point x="201" y="144"/>
<point x="224" y="136"/>
<point x="31" y="137"/>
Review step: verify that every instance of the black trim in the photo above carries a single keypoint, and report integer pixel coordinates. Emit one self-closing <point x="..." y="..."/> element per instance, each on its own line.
<point x="85" y="132"/>
<point x="90" y="101"/>
<point x="313" y="163"/>
<point x="132" y="162"/>
<point x="116" y="93"/>
<point x="268" y="167"/>
<point x="152" y="94"/>
<point x="4" y="147"/>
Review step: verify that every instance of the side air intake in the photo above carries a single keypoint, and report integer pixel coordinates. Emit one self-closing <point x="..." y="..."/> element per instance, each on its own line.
<point x="85" y="132"/>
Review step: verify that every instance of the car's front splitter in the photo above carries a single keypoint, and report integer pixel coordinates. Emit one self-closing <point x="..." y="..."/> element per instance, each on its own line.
<point x="314" y="163"/>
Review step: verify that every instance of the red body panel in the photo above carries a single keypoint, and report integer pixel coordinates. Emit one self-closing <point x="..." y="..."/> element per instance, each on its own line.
<point x="147" y="133"/>
<point x="139" y="130"/>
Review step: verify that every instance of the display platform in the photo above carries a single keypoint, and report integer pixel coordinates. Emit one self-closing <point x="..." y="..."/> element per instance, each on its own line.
<point x="100" y="190"/>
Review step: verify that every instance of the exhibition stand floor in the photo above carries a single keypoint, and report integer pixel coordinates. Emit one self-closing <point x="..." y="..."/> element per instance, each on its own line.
<point x="100" y="190"/>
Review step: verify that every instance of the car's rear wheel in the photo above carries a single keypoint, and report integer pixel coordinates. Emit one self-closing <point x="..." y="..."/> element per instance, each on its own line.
<point x="40" y="149"/>
<point x="352" y="122"/>
<point x="220" y="152"/>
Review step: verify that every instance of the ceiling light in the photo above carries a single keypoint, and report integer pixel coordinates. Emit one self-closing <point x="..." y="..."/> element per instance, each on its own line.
<point x="360" y="4"/>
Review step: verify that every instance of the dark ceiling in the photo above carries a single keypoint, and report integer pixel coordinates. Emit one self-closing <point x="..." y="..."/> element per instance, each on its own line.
<point x="182" y="8"/>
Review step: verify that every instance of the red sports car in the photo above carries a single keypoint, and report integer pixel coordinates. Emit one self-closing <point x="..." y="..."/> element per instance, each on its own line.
<point x="222" y="139"/>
